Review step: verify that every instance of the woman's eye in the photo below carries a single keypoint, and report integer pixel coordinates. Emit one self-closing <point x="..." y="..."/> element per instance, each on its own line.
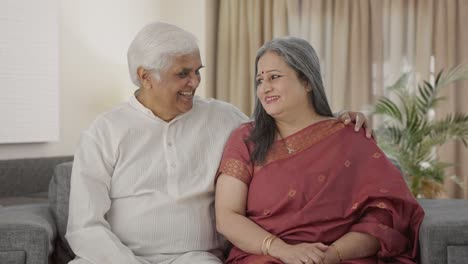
<point x="275" y="77"/>
<point x="259" y="81"/>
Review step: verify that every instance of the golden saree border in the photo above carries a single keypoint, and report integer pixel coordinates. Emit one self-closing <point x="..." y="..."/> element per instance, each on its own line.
<point x="237" y="169"/>
<point x="302" y="140"/>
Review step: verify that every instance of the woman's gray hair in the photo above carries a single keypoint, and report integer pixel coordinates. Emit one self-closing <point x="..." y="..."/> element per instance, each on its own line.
<point x="154" y="47"/>
<point x="300" y="56"/>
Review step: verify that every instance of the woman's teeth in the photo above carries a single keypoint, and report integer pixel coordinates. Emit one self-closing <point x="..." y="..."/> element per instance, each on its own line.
<point x="272" y="98"/>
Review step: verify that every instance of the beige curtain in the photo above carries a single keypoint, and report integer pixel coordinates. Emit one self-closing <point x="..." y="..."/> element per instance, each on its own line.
<point x="340" y="32"/>
<point x="449" y="40"/>
<point x="364" y="45"/>
<point x="243" y="26"/>
<point x="427" y="36"/>
<point x="211" y="29"/>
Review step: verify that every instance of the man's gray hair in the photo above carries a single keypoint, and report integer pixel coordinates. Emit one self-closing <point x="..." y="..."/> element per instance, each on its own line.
<point x="154" y="47"/>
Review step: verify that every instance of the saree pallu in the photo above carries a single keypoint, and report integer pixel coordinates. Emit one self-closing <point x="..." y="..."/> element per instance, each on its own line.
<point x="321" y="183"/>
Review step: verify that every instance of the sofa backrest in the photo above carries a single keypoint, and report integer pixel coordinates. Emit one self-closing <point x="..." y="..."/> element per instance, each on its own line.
<point x="27" y="176"/>
<point x="59" y="197"/>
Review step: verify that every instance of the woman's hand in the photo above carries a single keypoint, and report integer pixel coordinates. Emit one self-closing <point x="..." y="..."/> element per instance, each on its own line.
<point x="305" y="253"/>
<point x="331" y="256"/>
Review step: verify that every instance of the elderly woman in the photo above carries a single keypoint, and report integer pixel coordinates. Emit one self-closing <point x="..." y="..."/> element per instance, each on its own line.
<point x="297" y="186"/>
<point x="142" y="182"/>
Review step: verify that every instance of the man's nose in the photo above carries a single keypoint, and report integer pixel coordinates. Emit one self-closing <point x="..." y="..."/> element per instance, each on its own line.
<point x="194" y="81"/>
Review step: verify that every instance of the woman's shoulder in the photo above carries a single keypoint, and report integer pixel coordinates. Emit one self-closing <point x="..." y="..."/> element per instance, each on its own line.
<point x="244" y="128"/>
<point x="242" y="132"/>
<point x="357" y="141"/>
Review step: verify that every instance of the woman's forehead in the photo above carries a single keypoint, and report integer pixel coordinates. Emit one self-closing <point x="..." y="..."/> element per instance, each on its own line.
<point x="271" y="62"/>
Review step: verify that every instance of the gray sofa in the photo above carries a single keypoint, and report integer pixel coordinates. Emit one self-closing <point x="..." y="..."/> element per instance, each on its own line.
<point x="27" y="227"/>
<point x="33" y="233"/>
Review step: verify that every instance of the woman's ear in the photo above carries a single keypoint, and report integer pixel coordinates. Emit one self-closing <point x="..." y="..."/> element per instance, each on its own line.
<point x="305" y="82"/>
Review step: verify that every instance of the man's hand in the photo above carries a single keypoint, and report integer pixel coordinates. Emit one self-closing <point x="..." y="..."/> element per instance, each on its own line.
<point x="359" y="119"/>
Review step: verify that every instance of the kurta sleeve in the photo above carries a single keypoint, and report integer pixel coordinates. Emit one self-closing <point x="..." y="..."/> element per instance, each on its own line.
<point x="88" y="232"/>
<point x="235" y="161"/>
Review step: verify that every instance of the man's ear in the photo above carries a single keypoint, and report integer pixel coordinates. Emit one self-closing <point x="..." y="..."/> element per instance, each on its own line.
<point x="144" y="77"/>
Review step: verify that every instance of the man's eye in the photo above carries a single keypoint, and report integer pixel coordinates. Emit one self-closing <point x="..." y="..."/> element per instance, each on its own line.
<point x="183" y="74"/>
<point x="197" y="73"/>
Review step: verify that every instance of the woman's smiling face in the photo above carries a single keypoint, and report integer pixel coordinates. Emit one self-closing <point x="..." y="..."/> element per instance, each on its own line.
<point x="279" y="88"/>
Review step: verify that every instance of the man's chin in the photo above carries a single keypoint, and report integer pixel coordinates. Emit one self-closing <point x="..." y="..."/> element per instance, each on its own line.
<point x="186" y="107"/>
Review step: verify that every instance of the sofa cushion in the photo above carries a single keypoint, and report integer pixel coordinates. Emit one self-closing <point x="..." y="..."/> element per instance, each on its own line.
<point x="59" y="196"/>
<point x="35" y="198"/>
<point x="443" y="234"/>
<point x="457" y="254"/>
<point x="28" y="228"/>
<point x="13" y="257"/>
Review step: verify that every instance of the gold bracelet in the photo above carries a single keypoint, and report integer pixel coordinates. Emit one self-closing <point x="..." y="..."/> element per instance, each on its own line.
<point x="263" y="244"/>
<point x="267" y="243"/>
<point x="340" y="257"/>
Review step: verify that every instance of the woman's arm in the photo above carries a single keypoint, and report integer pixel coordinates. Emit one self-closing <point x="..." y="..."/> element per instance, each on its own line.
<point x="352" y="245"/>
<point x="231" y="198"/>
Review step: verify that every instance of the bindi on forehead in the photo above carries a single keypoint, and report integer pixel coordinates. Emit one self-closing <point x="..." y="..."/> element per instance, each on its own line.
<point x="262" y="72"/>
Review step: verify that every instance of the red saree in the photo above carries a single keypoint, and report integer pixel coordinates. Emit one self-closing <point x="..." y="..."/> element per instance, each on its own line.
<point x="336" y="181"/>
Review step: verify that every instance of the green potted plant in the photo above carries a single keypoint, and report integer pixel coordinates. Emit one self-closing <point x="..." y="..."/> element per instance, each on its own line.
<point x="409" y="132"/>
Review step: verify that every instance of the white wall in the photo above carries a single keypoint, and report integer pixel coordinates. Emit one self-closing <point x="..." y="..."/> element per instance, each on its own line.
<point x="94" y="37"/>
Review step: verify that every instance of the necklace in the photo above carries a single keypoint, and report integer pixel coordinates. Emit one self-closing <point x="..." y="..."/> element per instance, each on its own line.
<point x="288" y="148"/>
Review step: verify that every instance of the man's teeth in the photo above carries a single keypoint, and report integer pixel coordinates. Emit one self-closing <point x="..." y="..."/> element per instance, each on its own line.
<point x="186" y="93"/>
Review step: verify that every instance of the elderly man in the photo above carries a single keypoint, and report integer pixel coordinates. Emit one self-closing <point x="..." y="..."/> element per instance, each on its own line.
<point x="142" y="181"/>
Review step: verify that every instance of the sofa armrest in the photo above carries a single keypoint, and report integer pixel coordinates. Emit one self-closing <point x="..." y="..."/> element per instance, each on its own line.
<point x="443" y="235"/>
<point x="27" y="233"/>
<point x="59" y="196"/>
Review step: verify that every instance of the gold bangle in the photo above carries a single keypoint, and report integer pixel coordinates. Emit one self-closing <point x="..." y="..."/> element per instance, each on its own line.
<point x="337" y="249"/>
<point x="264" y="244"/>
<point x="267" y="243"/>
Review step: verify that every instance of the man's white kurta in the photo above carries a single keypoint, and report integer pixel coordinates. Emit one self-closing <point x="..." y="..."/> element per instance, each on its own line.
<point x="142" y="187"/>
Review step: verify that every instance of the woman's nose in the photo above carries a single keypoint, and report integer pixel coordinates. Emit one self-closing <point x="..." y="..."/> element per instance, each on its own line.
<point x="266" y="87"/>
